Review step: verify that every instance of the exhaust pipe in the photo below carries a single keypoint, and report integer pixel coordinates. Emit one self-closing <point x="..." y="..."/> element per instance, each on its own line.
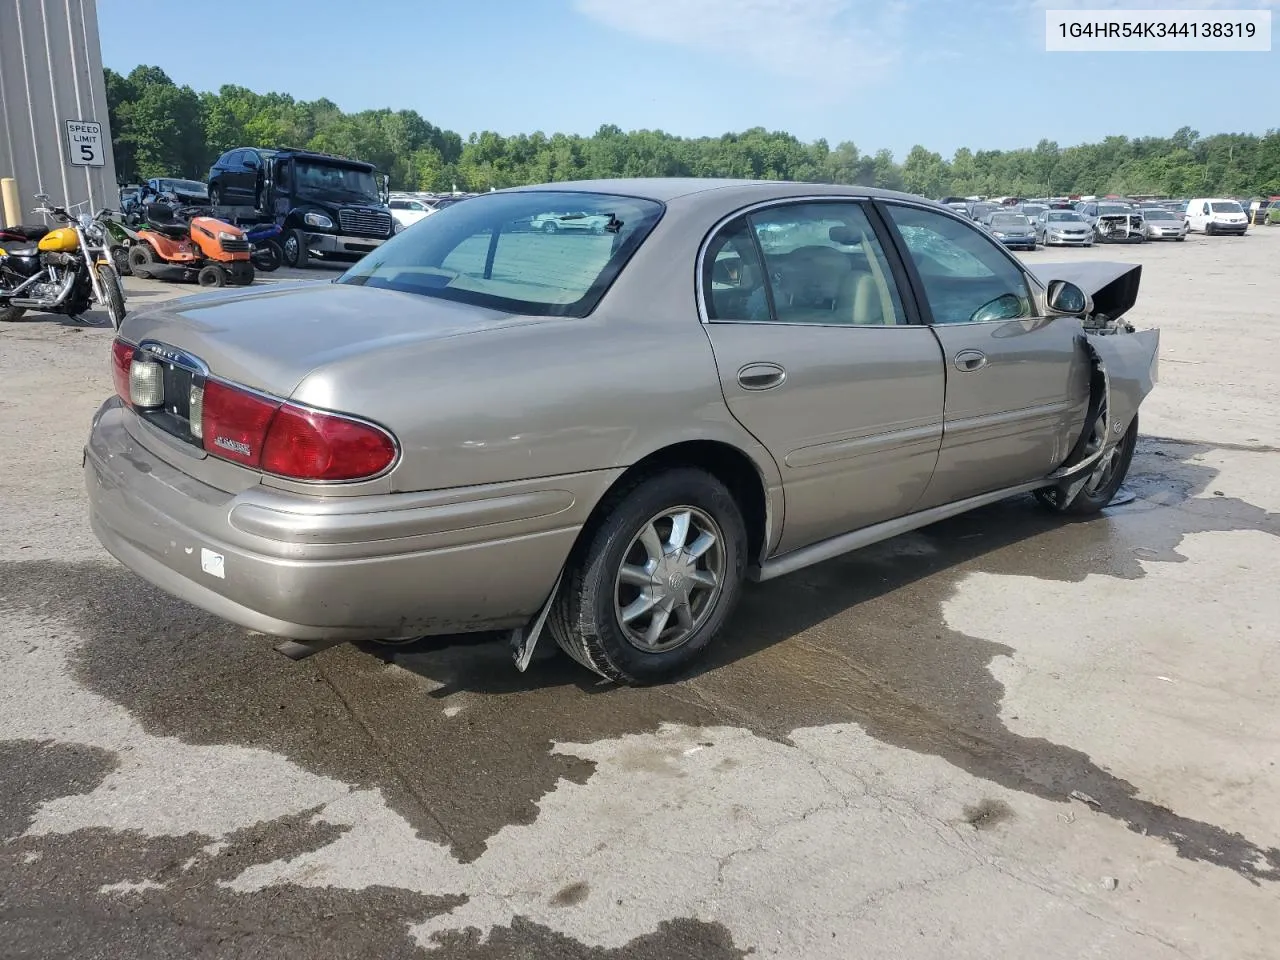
<point x="33" y="304"/>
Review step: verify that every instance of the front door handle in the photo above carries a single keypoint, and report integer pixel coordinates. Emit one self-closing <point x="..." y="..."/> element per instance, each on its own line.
<point x="761" y="376"/>
<point x="967" y="361"/>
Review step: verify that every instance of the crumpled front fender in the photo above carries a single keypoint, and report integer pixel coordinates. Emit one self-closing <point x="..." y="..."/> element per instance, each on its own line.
<point x="1126" y="368"/>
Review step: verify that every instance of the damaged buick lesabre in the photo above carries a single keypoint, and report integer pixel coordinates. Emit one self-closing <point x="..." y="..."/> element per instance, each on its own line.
<point x="602" y="435"/>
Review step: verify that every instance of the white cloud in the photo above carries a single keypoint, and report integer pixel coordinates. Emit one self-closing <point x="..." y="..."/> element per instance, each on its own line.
<point x="840" y="44"/>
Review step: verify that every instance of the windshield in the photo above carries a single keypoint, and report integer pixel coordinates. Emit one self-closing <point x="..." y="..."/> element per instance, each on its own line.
<point x="1226" y="206"/>
<point x="1009" y="220"/>
<point x="1154" y="214"/>
<point x="1064" y="217"/>
<point x="347" y="182"/>
<point x="185" y="186"/>
<point x="1108" y="209"/>
<point x="1033" y="209"/>
<point x="497" y="251"/>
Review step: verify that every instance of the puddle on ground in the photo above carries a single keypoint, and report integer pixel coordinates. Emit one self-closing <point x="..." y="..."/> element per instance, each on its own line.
<point x="460" y="743"/>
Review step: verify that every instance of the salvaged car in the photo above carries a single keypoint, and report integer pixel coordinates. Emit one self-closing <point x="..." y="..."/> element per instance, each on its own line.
<point x="473" y="429"/>
<point x="1063" y="228"/>
<point x="1164" y="225"/>
<point x="1011" y="229"/>
<point x="1114" y="222"/>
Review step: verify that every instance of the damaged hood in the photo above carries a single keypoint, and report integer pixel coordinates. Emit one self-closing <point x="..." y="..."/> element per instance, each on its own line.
<point x="1113" y="286"/>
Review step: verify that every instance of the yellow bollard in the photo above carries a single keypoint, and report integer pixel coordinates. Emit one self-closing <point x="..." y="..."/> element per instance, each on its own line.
<point x="9" y="201"/>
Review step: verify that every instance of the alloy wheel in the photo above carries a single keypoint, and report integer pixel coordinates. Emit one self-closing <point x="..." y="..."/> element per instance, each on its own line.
<point x="670" y="578"/>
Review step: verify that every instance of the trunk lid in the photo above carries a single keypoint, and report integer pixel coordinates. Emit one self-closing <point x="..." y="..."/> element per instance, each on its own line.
<point x="270" y="340"/>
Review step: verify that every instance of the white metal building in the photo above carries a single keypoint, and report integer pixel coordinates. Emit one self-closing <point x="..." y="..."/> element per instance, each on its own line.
<point x="54" y="134"/>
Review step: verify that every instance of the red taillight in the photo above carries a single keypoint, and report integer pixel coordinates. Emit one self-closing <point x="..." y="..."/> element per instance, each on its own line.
<point x="121" y="358"/>
<point x="311" y="445"/>
<point x="288" y="440"/>
<point x="234" y="423"/>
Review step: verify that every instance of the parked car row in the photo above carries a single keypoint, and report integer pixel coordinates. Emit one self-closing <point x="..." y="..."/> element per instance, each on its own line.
<point x="1058" y="221"/>
<point x="409" y="208"/>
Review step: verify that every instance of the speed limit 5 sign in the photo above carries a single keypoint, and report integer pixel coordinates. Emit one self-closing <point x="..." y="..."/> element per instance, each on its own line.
<point x="84" y="144"/>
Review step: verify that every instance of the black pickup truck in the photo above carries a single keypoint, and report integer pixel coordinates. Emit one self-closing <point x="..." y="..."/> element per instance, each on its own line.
<point x="331" y="208"/>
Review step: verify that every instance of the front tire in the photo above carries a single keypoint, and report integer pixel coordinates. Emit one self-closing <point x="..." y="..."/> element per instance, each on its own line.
<point x="650" y="586"/>
<point x="295" y="250"/>
<point x="1103" y="483"/>
<point x="212" y="275"/>
<point x="109" y="280"/>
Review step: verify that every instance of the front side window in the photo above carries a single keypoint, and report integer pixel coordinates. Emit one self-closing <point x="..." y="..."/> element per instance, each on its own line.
<point x="967" y="278"/>
<point x="484" y="252"/>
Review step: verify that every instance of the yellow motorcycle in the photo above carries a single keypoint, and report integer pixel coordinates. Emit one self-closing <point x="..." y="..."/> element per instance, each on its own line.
<point x="65" y="269"/>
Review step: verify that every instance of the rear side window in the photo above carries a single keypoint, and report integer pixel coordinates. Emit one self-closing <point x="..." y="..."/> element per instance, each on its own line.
<point x="497" y="251"/>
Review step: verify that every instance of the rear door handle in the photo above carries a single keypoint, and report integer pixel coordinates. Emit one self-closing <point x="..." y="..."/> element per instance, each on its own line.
<point x="967" y="361"/>
<point x="761" y="376"/>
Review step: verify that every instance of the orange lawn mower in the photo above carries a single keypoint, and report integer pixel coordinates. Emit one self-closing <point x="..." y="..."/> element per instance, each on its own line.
<point x="183" y="244"/>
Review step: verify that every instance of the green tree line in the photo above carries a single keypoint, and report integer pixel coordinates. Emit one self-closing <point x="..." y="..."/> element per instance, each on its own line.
<point x="162" y="129"/>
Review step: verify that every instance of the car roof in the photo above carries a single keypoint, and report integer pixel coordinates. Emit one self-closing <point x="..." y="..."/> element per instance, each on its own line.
<point x="663" y="189"/>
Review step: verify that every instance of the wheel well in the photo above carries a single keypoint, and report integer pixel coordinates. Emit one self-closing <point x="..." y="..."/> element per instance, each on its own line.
<point x="726" y="463"/>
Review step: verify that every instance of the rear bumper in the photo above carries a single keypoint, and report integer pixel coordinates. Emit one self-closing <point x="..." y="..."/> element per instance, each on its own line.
<point x="343" y="568"/>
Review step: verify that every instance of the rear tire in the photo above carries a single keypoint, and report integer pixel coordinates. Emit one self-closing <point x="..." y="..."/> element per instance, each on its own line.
<point x="268" y="257"/>
<point x="1102" y="486"/>
<point x="212" y="275"/>
<point x="141" y="259"/>
<point x="114" y="293"/>
<point x="605" y="613"/>
<point x="120" y="260"/>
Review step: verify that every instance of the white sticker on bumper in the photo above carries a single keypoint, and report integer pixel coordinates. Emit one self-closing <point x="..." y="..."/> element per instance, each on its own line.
<point x="212" y="564"/>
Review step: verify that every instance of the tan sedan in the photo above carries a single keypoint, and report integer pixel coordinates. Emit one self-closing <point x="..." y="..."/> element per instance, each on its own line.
<point x="600" y="436"/>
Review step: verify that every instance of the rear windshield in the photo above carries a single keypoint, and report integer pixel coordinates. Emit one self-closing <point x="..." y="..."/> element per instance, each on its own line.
<point x="537" y="252"/>
<point x="1226" y="206"/>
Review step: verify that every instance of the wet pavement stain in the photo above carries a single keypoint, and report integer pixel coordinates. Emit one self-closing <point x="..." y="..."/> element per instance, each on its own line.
<point x="683" y="939"/>
<point x="460" y="742"/>
<point x="164" y="899"/>
<point x="986" y="814"/>
<point x="571" y="895"/>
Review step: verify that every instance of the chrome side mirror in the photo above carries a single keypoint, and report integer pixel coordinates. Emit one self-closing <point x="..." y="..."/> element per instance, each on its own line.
<point x="1067" y="299"/>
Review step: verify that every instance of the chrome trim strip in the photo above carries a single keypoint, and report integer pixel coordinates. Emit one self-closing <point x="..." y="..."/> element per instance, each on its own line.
<point x="857" y="539"/>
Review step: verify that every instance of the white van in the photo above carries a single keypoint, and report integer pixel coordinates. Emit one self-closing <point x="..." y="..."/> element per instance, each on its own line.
<point x="1211" y="215"/>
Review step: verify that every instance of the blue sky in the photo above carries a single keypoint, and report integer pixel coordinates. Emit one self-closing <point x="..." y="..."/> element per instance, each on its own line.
<point x="882" y="73"/>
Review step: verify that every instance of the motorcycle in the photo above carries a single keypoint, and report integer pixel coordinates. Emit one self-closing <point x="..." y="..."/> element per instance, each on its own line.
<point x="64" y="269"/>
<point x="264" y="250"/>
<point x="120" y="237"/>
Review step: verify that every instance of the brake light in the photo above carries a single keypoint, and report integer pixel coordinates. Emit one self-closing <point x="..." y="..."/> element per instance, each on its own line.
<point x="288" y="440"/>
<point x="311" y="445"/>
<point x="234" y="422"/>
<point x="121" y="360"/>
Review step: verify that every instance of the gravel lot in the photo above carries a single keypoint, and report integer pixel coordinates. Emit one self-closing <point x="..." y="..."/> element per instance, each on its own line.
<point x="1005" y="736"/>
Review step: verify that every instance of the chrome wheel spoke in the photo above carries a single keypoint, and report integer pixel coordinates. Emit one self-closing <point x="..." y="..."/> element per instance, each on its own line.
<point x="684" y="614"/>
<point x="704" y="542"/>
<point x="634" y="575"/>
<point x="657" y="623"/>
<point x="639" y="607"/>
<point x="679" y="531"/>
<point x="651" y="542"/>
<point x="704" y="578"/>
